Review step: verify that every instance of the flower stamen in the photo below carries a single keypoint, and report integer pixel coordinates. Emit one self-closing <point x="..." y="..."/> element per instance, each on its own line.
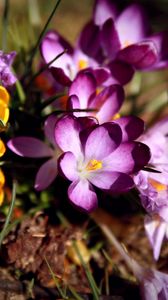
<point x="93" y="165"/>
<point x="157" y="185"/>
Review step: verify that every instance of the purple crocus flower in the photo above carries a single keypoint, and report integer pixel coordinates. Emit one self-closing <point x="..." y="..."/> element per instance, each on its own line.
<point x="133" y="45"/>
<point x="104" y="104"/>
<point x="87" y="54"/>
<point x="7" y="78"/>
<point x="153" y="284"/>
<point x="65" y="68"/>
<point x="156" y="230"/>
<point x="83" y="95"/>
<point x="35" y="148"/>
<point x="153" y="186"/>
<point x="96" y="157"/>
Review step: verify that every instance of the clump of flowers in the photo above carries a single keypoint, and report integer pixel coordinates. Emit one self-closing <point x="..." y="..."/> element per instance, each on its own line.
<point x="74" y="125"/>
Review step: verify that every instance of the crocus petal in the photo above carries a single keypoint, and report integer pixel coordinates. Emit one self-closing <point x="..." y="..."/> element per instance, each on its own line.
<point x="7" y="78"/>
<point x="132" y="127"/>
<point x="51" y="46"/>
<point x="138" y="29"/>
<point x="67" y="135"/>
<point x="83" y="86"/>
<point x="68" y="165"/>
<point x="82" y="195"/>
<point x="108" y="103"/>
<point x="129" y="157"/>
<point x="101" y="74"/>
<point x="154" y="285"/>
<point x="7" y="58"/>
<point x="121" y="72"/>
<point x="49" y="128"/>
<point x="29" y="147"/>
<point x="161" y="42"/>
<point x="73" y="103"/>
<point x="102" y="141"/>
<point x="155" y="229"/>
<point x="103" y="10"/>
<point x="110" y="39"/>
<point x="141" y="55"/>
<point x="46" y="174"/>
<point x="114" y="181"/>
<point x="60" y="76"/>
<point x="90" y="41"/>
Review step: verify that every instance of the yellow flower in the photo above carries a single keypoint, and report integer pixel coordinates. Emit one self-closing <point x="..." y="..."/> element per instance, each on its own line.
<point x="4" y="102"/>
<point x="2" y="148"/>
<point x="2" y="182"/>
<point x="4" y="95"/>
<point x="4" y="116"/>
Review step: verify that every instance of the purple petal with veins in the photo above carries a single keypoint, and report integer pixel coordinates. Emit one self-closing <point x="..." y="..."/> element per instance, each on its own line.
<point x="96" y="149"/>
<point x="67" y="135"/>
<point x="129" y="157"/>
<point x="112" y="181"/>
<point x="68" y="165"/>
<point x="82" y="194"/>
<point x="83" y="86"/>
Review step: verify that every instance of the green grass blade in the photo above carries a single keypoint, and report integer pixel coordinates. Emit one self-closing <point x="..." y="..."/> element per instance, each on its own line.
<point x="46" y="66"/>
<point x="74" y="293"/>
<point x="42" y="34"/>
<point x="55" y="279"/>
<point x="4" y="230"/>
<point x="90" y="278"/>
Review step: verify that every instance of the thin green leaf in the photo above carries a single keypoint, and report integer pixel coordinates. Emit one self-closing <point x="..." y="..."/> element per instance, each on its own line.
<point x="8" y="218"/>
<point x="55" y="280"/>
<point x="50" y="100"/>
<point x="45" y="67"/>
<point x="75" y="294"/>
<point x="42" y="33"/>
<point x="90" y="278"/>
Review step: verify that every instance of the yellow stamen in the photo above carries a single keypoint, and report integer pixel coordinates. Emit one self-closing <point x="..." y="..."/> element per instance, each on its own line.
<point x="93" y="165"/>
<point x="98" y="90"/>
<point x="82" y="64"/>
<point x="116" y="116"/>
<point x="126" y="43"/>
<point x="4" y="95"/>
<point x="2" y="148"/>
<point x="157" y="185"/>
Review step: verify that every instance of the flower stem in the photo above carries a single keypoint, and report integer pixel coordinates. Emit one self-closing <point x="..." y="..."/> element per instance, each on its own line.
<point x="4" y="230"/>
<point x="41" y="35"/>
